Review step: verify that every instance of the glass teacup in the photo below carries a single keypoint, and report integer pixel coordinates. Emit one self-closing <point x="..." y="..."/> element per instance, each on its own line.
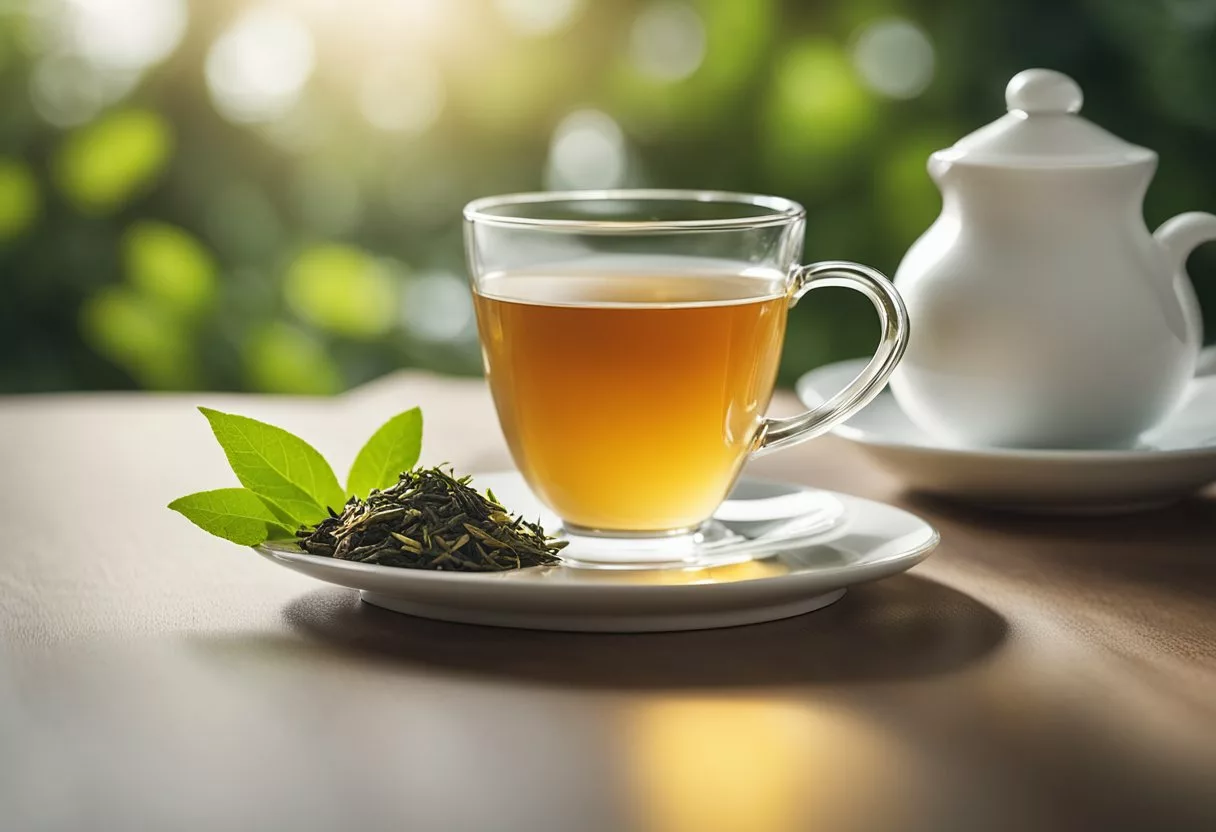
<point x="631" y="341"/>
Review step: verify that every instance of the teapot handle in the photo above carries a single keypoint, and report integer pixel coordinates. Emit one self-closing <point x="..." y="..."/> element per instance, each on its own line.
<point x="1182" y="234"/>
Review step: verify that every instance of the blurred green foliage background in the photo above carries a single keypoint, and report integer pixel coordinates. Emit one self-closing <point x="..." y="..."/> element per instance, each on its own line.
<point x="265" y="194"/>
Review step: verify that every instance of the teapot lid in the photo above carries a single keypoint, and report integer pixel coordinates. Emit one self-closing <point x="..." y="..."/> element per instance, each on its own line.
<point x="1043" y="130"/>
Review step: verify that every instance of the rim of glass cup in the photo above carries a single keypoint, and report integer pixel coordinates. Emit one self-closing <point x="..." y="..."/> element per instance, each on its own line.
<point x="781" y="210"/>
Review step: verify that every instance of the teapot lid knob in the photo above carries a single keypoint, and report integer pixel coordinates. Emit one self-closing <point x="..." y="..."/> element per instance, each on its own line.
<point x="1043" y="130"/>
<point x="1043" y="91"/>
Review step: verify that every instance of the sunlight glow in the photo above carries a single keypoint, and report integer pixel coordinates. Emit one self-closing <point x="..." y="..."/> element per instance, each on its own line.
<point x="402" y="98"/>
<point x="94" y="52"/>
<point x="420" y="15"/>
<point x="257" y="69"/>
<point x="121" y="34"/>
<point x="536" y="18"/>
<point x="700" y="762"/>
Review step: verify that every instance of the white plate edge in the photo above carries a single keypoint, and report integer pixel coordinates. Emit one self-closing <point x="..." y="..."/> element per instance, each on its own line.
<point x="804" y="385"/>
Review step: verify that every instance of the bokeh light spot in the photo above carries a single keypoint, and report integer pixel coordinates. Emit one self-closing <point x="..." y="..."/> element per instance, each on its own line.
<point x="102" y="165"/>
<point x="280" y="358"/>
<point x="342" y="289"/>
<point x="655" y="93"/>
<point x="817" y="91"/>
<point x="169" y="265"/>
<point x="894" y="58"/>
<point x="119" y="34"/>
<point x="92" y="53"/>
<point x="817" y="113"/>
<point x="140" y="336"/>
<point x="402" y="97"/>
<point x="20" y="199"/>
<point x="587" y="151"/>
<point x="667" y="41"/>
<point x="1192" y="14"/>
<point x="538" y="17"/>
<point x="66" y="90"/>
<point x="257" y="69"/>
<point x="437" y="306"/>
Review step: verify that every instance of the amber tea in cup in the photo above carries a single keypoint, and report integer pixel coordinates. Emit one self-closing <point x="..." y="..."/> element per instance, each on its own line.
<point x="582" y="364"/>
<point x="631" y="342"/>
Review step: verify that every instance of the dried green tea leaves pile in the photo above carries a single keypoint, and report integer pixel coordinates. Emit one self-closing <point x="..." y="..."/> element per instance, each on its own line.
<point x="424" y="518"/>
<point x="431" y="520"/>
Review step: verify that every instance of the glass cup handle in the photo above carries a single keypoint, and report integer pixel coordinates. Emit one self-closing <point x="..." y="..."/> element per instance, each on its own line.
<point x="892" y="315"/>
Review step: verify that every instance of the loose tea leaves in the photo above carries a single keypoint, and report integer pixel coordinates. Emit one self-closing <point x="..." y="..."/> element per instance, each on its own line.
<point x="431" y="520"/>
<point x="424" y="518"/>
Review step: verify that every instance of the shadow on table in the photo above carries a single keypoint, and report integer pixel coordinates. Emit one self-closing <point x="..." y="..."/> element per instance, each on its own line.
<point x="1170" y="547"/>
<point x="1193" y="518"/>
<point x="902" y="627"/>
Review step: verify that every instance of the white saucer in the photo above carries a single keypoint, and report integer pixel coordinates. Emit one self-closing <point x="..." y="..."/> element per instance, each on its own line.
<point x="1171" y="461"/>
<point x="788" y="576"/>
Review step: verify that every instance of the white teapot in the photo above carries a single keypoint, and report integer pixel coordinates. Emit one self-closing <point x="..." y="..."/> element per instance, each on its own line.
<point x="1043" y="312"/>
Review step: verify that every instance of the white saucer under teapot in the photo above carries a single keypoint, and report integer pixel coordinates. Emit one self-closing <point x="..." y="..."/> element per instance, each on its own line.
<point x="1168" y="463"/>
<point x="1044" y="314"/>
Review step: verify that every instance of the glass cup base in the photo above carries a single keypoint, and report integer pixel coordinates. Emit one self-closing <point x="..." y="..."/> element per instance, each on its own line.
<point x="710" y="544"/>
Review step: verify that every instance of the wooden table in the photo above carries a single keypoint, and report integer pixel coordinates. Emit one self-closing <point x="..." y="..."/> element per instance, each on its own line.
<point x="1034" y="674"/>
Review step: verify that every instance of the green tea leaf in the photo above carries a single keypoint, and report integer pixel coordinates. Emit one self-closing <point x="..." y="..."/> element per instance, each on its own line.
<point x="235" y="514"/>
<point x="277" y="465"/>
<point x="284" y="519"/>
<point x="393" y="448"/>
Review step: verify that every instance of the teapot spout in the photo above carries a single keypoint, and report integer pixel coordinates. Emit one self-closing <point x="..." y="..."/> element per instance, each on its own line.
<point x="1180" y="236"/>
